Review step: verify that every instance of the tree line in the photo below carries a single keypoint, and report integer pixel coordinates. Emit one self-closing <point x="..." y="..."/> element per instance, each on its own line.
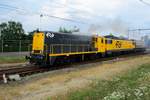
<point x="12" y="30"/>
<point x="65" y="30"/>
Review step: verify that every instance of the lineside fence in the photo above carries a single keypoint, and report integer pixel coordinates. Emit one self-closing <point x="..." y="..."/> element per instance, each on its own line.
<point x="14" y="45"/>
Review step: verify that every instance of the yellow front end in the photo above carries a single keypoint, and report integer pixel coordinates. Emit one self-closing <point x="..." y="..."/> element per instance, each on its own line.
<point x="38" y="43"/>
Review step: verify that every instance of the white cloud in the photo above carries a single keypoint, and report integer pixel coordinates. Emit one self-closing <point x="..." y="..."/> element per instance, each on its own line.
<point x="59" y="12"/>
<point x="48" y="8"/>
<point x="82" y="9"/>
<point x="98" y="12"/>
<point x="99" y="7"/>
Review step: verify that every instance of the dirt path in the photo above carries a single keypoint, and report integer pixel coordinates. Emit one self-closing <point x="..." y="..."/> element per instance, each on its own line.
<point x="12" y="65"/>
<point x="61" y="83"/>
<point x="9" y="54"/>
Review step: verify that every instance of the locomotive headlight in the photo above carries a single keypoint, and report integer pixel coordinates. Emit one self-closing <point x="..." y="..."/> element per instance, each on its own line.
<point x="41" y="51"/>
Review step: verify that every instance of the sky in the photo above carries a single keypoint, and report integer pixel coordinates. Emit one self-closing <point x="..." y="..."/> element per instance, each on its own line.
<point x="91" y="16"/>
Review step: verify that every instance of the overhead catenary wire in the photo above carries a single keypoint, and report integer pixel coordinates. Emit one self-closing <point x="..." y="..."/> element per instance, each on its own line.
<point x="62" y="18"/>
<point x="144" y="29"/>
<point x="14" y="9"/>
<point x="8" y="6"/>
<point x="25" y="12"/>
<point x="89" y="13"/>
<point x="144" y="2"/>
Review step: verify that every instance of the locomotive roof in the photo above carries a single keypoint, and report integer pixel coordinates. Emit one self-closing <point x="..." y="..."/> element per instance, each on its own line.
<point x="107" y="36"/>
<point x="79" y="34"/>
<point x="114" y="37"/>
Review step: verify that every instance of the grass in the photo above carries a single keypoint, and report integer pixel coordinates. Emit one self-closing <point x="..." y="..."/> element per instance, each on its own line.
<point x="64" y="84"/>
<point x="134" y="85"/>
<point x="12" y="59"/>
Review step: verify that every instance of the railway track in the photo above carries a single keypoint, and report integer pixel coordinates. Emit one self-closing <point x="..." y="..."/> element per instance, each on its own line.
<point x="28" y="70"/>
<point x="22" y="71"/>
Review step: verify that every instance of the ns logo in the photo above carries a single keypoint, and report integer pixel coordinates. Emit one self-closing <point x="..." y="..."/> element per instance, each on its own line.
<point x="118" y="44"/>
<point x="51" y="35"/>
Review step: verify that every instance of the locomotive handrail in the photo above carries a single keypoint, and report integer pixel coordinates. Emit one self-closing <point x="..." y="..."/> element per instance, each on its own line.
<point x="70" y="46"/>
<point x="46" y="52"/>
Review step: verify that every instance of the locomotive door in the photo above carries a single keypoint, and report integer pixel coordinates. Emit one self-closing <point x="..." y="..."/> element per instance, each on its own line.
<point x="94" y="43"/>
<point x="99" y="44"/>
<point x="102" y="45"/>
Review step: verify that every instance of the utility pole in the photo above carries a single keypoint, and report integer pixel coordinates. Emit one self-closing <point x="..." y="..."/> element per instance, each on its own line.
<point x="40" y="26"/>
<point x="0" y="34"/>
<point x="128" y="34"/>
<point x="1" y="39"/>
<point x="139" y="31"/>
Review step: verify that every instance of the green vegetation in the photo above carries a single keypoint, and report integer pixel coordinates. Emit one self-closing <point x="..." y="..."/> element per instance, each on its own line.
<point x="12" y="30"/>
<point x="12" y="36"/>
<point x="134" y="85"/>
<point x="16" y="59"/>
<point x="65" y="30"/>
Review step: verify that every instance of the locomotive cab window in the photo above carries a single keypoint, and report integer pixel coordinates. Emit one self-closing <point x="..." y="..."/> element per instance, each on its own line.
<point x="108" y="41"/>
<point x="105" y="41"/>
<point x="102" y="41"/>
<point x="94" y="39"/>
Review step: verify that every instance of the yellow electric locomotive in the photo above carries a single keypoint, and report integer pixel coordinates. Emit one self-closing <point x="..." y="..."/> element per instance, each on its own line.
<point x="49" y="48"/>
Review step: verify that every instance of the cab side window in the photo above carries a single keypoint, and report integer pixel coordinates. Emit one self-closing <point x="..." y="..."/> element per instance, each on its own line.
<point x="94" y="39"/>
<point x="105" y="41"/>
<point x="102" y="41"/>
<point x="109" y="41"/>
